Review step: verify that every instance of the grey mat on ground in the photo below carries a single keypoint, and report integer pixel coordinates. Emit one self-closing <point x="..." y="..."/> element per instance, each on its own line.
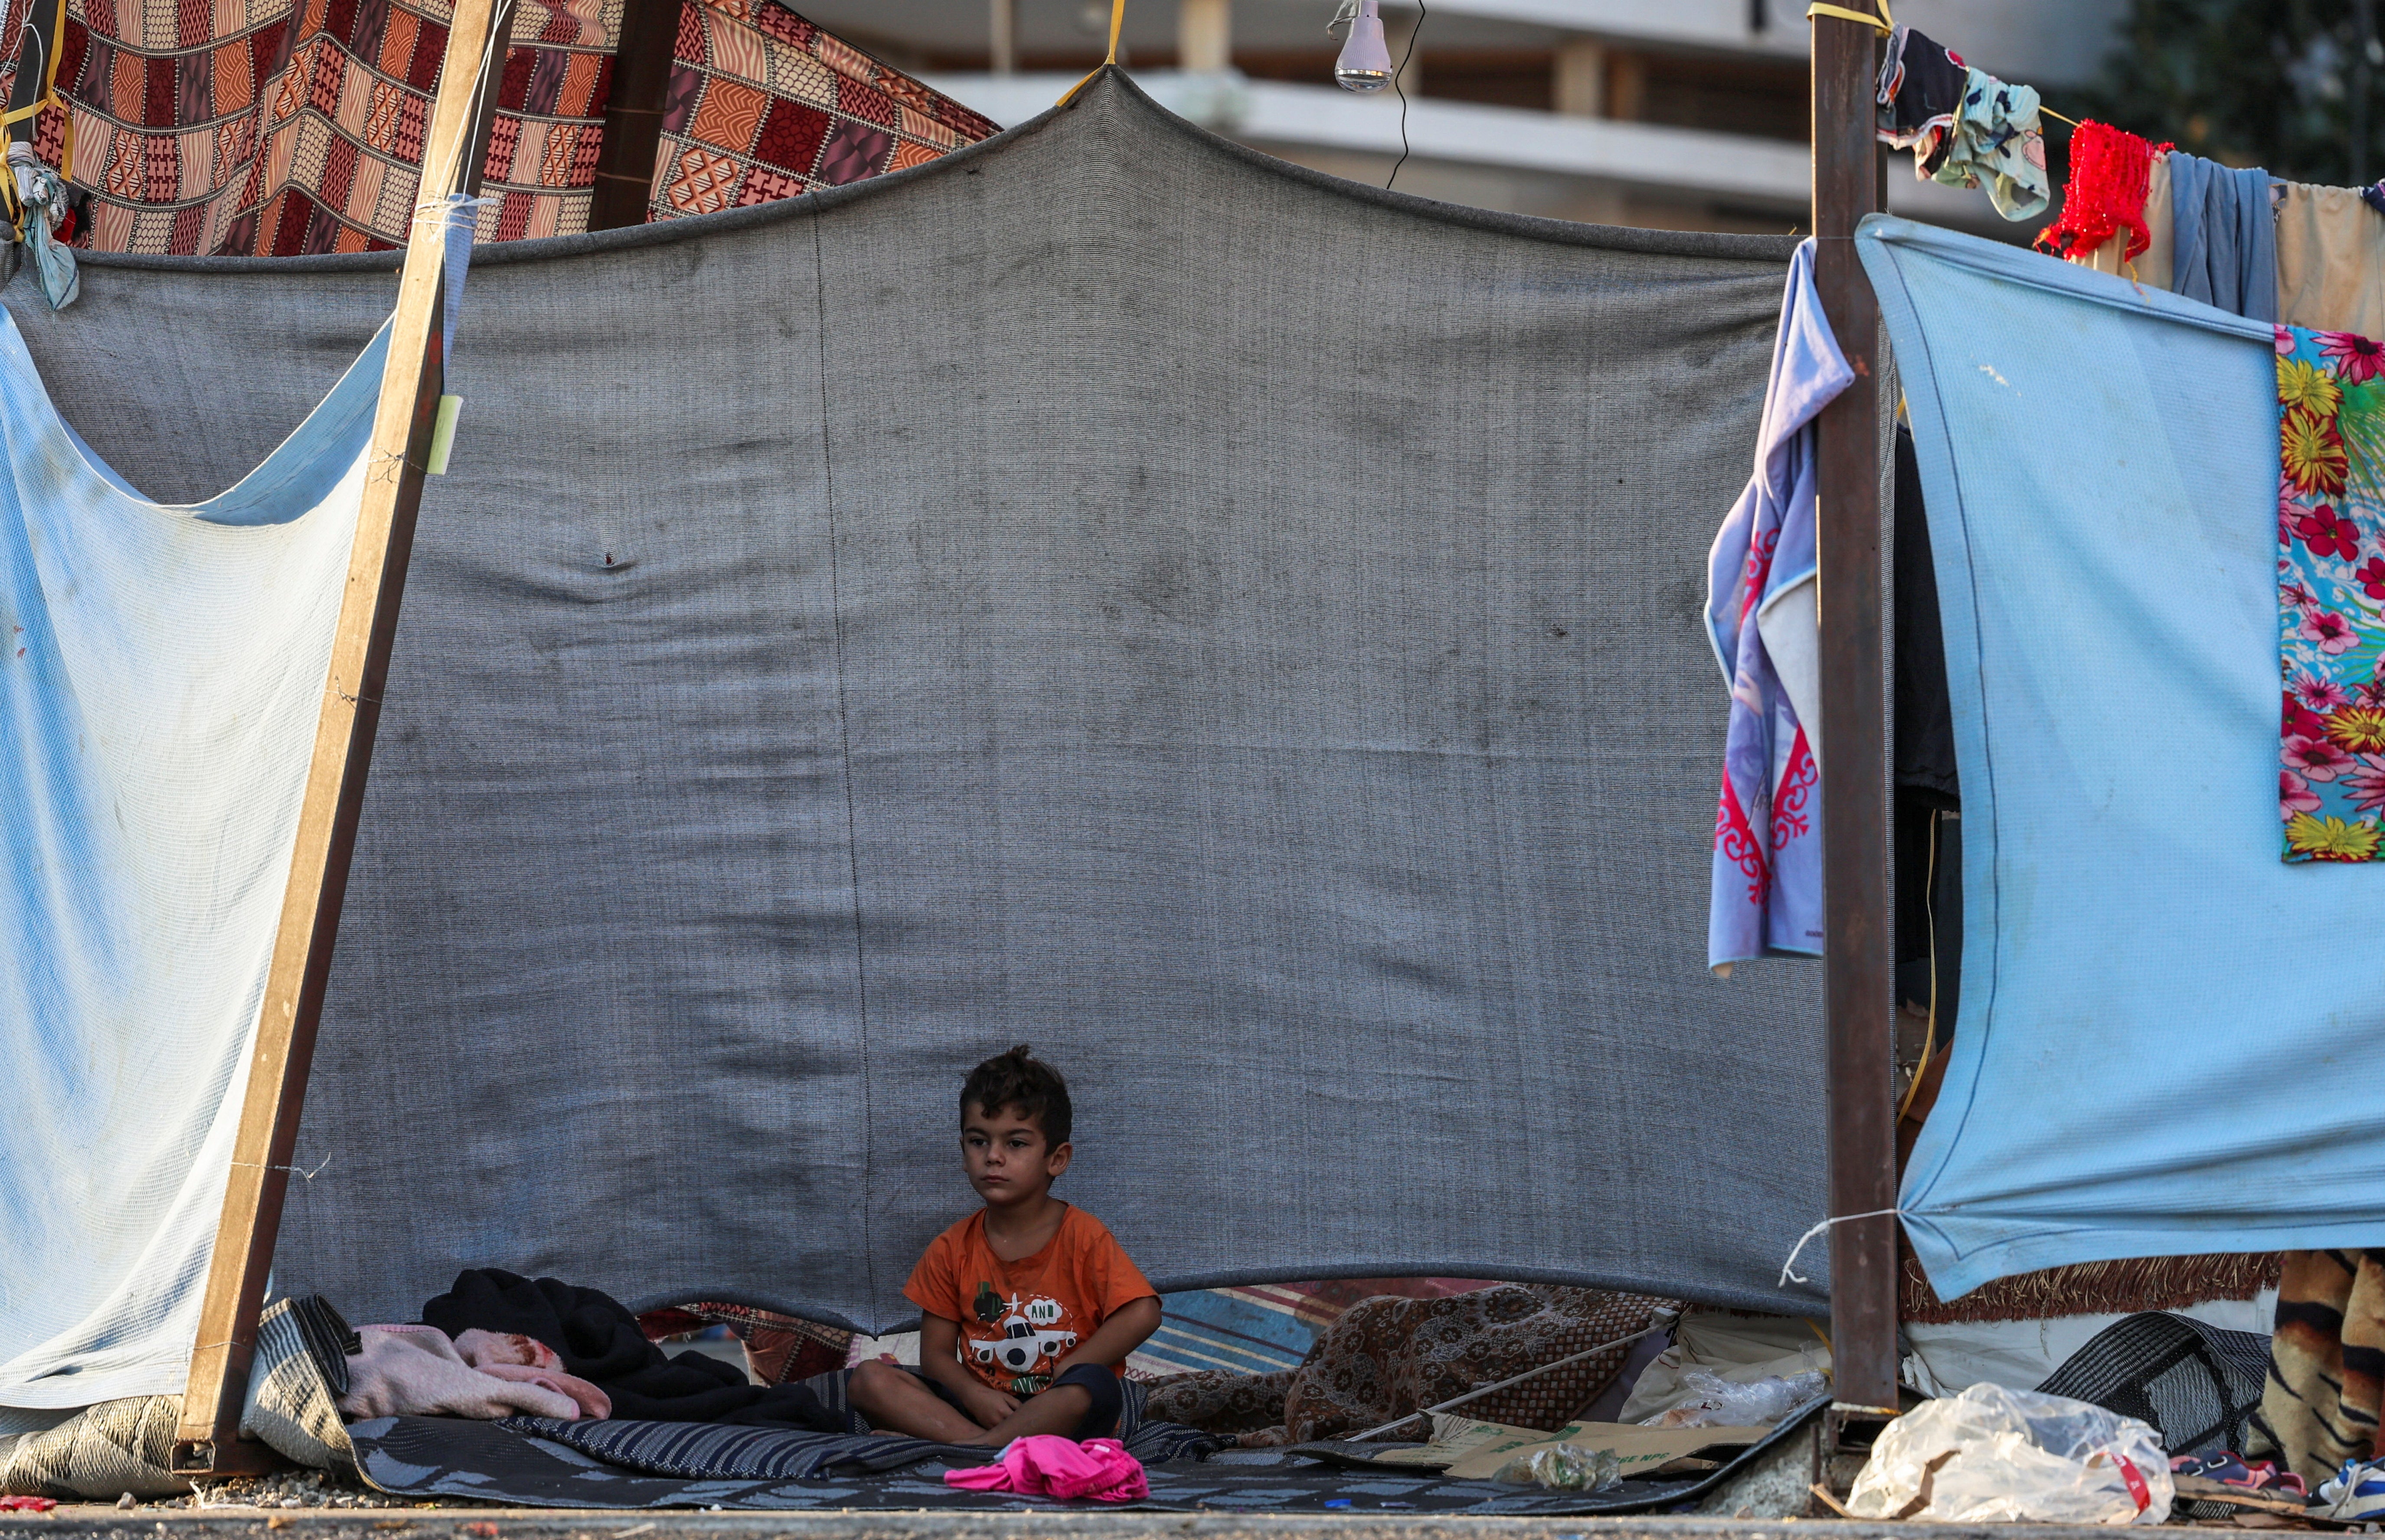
<point x="444" y="1457"/>
<point x="1236" y="631"/>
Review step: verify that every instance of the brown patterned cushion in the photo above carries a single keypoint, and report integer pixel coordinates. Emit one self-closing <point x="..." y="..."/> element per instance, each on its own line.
<point x="1387" y="1356"/>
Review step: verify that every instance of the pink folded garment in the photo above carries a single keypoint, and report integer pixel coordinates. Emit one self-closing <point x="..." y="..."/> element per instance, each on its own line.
<point x="1046" y="1465"/>
<point x="416" y="1372"/>
<point x="527" y="1360"/>
<point x="593" y="1402"/>
<point x="482" y="1348"/>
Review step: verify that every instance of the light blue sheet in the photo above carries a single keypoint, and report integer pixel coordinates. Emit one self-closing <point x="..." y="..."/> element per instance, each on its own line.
<point x="163" y="673"/>
<point x="2168" y="1036"/>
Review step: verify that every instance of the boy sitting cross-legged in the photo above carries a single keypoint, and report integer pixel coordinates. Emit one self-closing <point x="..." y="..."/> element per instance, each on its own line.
<point x="1028" y="1306"/>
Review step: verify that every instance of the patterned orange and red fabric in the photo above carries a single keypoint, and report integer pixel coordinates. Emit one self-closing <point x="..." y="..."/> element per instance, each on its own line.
<point x="275" y="128"/>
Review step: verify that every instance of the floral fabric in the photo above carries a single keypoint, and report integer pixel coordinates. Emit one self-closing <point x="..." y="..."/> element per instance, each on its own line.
<point x="2331" y="592"/>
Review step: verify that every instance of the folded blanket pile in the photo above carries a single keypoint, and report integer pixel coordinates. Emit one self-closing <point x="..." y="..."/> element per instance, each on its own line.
<point x="595" y="1339"/>
<point x="419" y="1372"/>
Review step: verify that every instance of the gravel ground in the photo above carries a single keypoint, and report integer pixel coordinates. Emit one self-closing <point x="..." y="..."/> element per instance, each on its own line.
<point x="310" y="1490"/>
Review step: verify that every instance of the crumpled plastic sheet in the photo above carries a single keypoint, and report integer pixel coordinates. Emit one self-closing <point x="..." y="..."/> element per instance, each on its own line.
<point x="1992" y="1453"/>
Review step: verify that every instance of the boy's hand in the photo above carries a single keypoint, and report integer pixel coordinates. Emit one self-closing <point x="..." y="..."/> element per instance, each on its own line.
<point x="986" y="1404"/>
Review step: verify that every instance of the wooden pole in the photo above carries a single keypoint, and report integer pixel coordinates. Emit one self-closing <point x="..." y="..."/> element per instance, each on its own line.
<point x="1002" y="36"/>
<point x="208" y="1441"/>
<point x="1858" y="932"/>
<point x="633" y="114"/>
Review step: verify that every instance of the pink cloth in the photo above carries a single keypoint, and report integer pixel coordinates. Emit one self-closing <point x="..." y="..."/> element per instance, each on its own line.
<point x="1046" y="1465"/>
<point x="482" y="1348"/>
<point x="527" y="1360"/>
<point x="416" y="1372"/>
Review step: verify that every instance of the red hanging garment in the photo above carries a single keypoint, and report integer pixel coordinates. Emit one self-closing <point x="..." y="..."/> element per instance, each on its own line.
<point x="2107" y="192"/>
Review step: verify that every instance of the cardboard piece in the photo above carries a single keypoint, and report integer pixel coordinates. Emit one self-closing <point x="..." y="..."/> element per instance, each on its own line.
<point x="1474" y="1450"/>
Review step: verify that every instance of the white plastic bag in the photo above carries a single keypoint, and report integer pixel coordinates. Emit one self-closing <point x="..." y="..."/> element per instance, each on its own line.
<point x="1566" y="1467"/>
<point x="1992" y="1453"/>
<point x="1716" y="1403"/>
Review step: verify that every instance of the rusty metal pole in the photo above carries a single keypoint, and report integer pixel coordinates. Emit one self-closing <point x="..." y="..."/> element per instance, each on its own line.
<point x="633" y="114"/>
<point x="1858" y="930"/>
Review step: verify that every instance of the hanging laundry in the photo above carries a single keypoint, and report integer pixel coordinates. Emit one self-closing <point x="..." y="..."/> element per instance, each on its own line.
<point x="2109" y="169"/>
<point x="2154" y="267"/>
<point x="1920" y="92"/>
<point x="2224" y="238"/>
<point x="2330" y="251"/>
<point x="1997" y="146"/>
<point x="1965" y="127"/>
<point x="2330" y="581"/>
<point x="43" y="199"/>
<point x="1766" y="894"/>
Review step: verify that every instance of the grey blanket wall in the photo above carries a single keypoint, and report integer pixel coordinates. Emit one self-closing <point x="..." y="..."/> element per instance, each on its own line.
<point x="1233" y="630"/>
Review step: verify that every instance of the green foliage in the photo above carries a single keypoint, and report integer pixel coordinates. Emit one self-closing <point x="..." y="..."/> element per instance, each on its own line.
<point x="2251" y="83"/>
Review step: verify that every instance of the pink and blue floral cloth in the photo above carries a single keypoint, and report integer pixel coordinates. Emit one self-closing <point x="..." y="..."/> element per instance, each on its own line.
<point x="2331" y="592"/>
<point x="1766" y="892"/>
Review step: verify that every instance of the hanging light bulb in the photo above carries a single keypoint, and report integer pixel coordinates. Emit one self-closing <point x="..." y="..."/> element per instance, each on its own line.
<point x="1366" y="60"/>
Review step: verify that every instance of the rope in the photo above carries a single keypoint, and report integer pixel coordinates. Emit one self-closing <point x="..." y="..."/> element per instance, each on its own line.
<point x="1788" y="1277"/>
<point x="1117" y="20"/>
<point x="299" y="1171"/>
<point x="1399" y="84"/>
<point x="1664" y="1322"/>
<point x="445" y="176"/>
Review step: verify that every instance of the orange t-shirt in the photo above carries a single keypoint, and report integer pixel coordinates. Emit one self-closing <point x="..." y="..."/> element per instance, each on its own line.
<point x="1018" y="1320"/>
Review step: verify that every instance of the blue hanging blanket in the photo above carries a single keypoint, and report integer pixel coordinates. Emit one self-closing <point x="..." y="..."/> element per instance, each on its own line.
<point x="2166" y="1035"/>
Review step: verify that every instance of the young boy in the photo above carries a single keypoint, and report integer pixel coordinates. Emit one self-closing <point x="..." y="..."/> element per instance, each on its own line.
<point x="1028" y="1306"/>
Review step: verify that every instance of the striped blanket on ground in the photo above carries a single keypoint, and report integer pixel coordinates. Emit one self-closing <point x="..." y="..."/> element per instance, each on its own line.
<point x="727" y="1452"/>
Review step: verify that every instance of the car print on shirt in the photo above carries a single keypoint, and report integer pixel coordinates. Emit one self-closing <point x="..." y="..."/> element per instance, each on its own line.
<point x="1028" y="1344"/>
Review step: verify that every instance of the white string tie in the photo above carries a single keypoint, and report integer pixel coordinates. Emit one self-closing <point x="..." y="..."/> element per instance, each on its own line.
<point x="1788" y="1277"/>
<point x="299" y="1171"/>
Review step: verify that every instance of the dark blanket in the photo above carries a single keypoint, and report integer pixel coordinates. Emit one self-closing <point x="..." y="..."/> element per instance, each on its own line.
<point x="599" y="1341"/>
<point x="424" y="1456"/>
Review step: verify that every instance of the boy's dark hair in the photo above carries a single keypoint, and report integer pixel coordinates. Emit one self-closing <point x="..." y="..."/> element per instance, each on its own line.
<point x="1019" y="1082"/>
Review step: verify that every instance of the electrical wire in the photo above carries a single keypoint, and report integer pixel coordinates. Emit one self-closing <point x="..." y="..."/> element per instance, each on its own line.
<point x="1399" y="85"/>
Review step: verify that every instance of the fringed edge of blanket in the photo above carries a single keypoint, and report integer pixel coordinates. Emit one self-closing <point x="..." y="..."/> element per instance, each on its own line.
<point x="2123" y="1287"/>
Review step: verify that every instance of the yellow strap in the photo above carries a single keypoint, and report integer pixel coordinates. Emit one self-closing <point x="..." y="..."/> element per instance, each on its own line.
<point x="1883" y="23"/>
<point x="1117" y="20"/>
